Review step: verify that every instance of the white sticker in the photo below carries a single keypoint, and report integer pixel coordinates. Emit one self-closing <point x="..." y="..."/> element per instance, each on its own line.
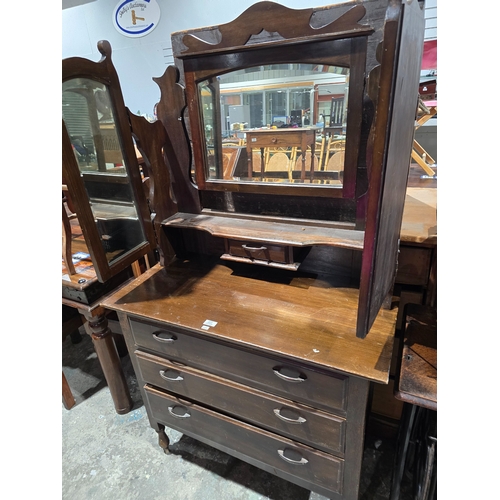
<point x="209" y="322"/>
<point x="205" y="328"/>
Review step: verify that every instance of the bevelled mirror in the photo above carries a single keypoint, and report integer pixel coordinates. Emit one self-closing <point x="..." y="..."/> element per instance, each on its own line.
<point x="281" y="106"/>
<point x="100" y="166"/>
<point x="271" y="119"/>
<point x="264" y="94"/>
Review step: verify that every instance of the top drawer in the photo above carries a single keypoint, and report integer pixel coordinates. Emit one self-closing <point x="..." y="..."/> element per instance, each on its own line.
<point x="276" y="140"/>
<point x="287" y="379"/>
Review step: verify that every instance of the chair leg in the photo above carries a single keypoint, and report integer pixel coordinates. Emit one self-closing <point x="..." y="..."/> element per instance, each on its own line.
<point x="67" y="395"/>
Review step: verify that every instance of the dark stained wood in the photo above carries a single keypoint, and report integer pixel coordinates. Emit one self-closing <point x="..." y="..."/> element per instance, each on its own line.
<point x="417" y="262"/>
<point x="416" y="379"/>
<point x="293" y="25"/>
<point x="345" y="53"/>
<point x="150" y="140"/>
<point x="382" y="48"/>
<point x="261" y="372"/>
<point x="67" y="395"/>
<point x="104" y="72"/>
<point x="170" y="112"/>
<point x="320" y="318"/>
<point x="102" y="338"/>
<point x="258" y="230"/>
<point x="296" y="421"/>
<point x="315" y="469"/>
<point x="393" y="137"/>
<point x="216" y="344"/>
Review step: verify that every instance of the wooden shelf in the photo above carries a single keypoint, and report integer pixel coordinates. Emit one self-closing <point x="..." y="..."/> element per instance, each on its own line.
<point x="299" y="234"/>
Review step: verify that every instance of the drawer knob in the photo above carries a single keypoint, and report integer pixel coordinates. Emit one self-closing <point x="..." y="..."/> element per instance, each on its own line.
<point x="165" y="337"/>
<point x="289" y="374"/>
<point x="171" y="375"/>
<point x="179" y="411"/>
<point x="296" y="420"/>
<point x="295" y="461"/>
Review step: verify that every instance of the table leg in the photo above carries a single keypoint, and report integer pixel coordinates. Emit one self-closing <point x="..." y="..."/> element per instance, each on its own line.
<point x="97" y="327"/>
<point x="67" y="395"/>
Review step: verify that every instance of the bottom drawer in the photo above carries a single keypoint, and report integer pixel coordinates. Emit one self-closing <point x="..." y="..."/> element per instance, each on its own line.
<point x="300" y="464"/>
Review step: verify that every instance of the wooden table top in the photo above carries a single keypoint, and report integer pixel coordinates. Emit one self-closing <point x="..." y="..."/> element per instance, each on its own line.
<point x="420" y="217"/>
<point x="303" y="317"/>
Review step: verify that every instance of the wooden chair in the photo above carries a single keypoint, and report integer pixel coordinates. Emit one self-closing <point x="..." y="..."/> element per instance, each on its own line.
<point x="297" y="164"/>
<point x="278" y="162"/>
<point x="336" y="164"/>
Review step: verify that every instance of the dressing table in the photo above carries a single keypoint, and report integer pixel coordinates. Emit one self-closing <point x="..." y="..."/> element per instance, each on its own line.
<point x="262" y="327"/>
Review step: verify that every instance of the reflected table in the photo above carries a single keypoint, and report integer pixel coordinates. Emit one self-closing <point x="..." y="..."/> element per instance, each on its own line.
<point x="281" y="138"/>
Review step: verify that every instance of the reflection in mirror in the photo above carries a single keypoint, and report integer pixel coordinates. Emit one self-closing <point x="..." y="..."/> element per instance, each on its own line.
<point x="282" y="123"/>
<point x="88" y="117"/>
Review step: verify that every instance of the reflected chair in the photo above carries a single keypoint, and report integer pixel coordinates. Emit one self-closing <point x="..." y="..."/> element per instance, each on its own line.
<point x="279" y="165"/>
<point x="297" y="164"/>
<point x="335" y="164"/>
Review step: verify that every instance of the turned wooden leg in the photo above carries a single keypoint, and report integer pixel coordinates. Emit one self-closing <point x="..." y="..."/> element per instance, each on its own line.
<point x="163" y="440"/>
<point x="97" y="327"/>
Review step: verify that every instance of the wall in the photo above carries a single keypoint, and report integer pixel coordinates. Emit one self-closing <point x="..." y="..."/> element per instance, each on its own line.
<point x="138" y="60"/>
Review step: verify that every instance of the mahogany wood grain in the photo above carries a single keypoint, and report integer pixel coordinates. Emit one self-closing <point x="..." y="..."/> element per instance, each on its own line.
<point x="396" y="105"/>
<point x="150" y="140"/>
<point x="67" y="395"/>
<point x="304" y="318"/>
<point x="102" y="337"/>
<point x="296" y="421"/>
<point x="291" y="24"/>
<point x="304" y="384"/>
<point x="104" y="72"/>
<point x="170" y="112"/>
<point x="284" y="233"/>
<point x="308" y="467"/>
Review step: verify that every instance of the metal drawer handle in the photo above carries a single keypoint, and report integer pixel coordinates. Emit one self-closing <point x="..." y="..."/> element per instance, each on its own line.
<point x="168" y="340"/>
<point x="288" y="378"/>
<point x="176" y="415"/>
<point x="302" y="461"/>
<point x="254" y="249"/>
<point x="298" y="420"/>
<point x="163" y="374"/>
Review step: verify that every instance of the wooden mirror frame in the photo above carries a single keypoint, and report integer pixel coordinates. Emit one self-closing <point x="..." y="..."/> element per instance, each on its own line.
<point x="104" y="72"/>
<point x="373" y="205"/>
<point x="341" y="42"/>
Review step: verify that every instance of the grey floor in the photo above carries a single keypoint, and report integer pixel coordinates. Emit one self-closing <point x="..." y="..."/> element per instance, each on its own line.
<point x="111" y="456"/>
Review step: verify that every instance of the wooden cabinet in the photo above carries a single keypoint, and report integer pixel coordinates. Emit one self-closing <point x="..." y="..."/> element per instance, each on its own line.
<point x="272" y="362"/>
<point x="265" y="366"/>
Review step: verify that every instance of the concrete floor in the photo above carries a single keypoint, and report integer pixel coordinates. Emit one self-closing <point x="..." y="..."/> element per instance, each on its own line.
<point x="109" y="456"/>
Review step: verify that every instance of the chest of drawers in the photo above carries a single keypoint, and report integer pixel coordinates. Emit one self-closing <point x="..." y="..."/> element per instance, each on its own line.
<point x="269" y="371"/>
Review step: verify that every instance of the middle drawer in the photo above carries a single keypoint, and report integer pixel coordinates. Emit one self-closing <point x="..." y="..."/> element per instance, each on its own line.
<point x="299" y="422"/>
<point x="280" y="377"/>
